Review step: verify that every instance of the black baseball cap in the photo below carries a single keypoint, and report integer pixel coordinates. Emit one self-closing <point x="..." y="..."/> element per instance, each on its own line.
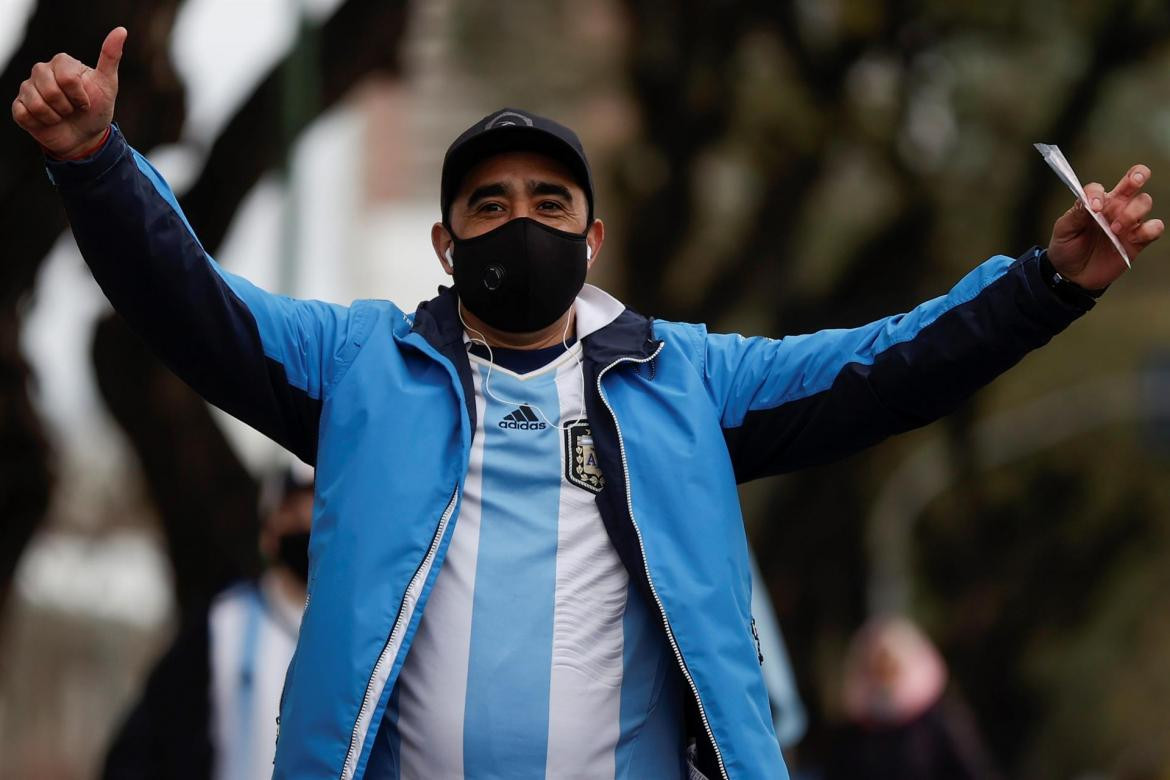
<point x="513" y="130"/>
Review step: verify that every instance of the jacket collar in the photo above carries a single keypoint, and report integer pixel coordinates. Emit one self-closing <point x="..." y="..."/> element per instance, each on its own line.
<point x="437" y="320"/>
<point x="607" y="329"/>
<point x="595" y="310"/>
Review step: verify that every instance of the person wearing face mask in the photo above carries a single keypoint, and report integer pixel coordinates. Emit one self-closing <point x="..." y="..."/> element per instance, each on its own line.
<point x="528" y="553"/>
<point x="209" y="708"/>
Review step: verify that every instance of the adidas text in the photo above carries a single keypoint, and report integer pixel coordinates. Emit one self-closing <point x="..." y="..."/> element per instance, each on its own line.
<point x="523" y="419"/>
<point x="523" y="426"/>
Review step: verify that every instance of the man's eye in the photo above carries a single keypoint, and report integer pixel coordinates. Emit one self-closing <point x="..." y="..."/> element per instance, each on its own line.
<point x="550" y="205"/>
<point x="492" y="208"/>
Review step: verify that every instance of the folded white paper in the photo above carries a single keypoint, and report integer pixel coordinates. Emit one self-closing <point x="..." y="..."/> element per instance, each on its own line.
<point x="1057" y="162"/>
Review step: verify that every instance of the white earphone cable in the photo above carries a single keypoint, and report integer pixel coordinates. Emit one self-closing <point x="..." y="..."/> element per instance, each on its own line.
<point x="487" y="386"/>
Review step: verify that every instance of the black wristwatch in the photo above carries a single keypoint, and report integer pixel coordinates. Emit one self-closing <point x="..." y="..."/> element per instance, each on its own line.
<point x="1067" y="290"/>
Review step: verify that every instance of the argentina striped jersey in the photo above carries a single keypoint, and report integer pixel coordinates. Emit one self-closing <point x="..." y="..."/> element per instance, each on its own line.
<point x="536" y="657"/>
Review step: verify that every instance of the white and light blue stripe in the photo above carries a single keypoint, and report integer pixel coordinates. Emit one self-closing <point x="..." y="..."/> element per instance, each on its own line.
<point x="535" y="657"/>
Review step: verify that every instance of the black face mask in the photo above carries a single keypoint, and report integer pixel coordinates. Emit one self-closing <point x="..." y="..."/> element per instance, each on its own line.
<point x="293" y="552"/>
<point x="521" y="276"/>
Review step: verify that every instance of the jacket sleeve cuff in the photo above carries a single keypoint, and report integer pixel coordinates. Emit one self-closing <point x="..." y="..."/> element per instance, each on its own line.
<point x="1055" y="295"/>
<point x="1071" y="291"/>
<point x="70" y="174"/>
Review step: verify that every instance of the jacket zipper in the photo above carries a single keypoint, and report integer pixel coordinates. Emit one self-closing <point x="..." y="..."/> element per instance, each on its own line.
<point x="642" y="549"/>
<point x="284" y="687"/>
<point x="349" y="768"/>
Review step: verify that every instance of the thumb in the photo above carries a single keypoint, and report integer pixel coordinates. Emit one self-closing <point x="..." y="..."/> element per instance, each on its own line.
<point x="111" y="55"/>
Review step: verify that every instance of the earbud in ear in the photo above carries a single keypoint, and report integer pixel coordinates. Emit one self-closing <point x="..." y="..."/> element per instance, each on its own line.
<point x="450" y="256"/>
<point x="588" y="252"/>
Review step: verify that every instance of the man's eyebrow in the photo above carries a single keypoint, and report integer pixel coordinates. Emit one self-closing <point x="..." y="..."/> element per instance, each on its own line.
<point x="494" y="190"/>
<point x="549" y="188"/>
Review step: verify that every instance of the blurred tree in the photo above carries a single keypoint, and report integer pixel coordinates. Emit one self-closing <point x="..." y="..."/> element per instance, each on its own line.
<point x="806" y="165"/>
<point x="31" y="219"/>
<point x="207" y="501"/>
<point x="25" y="476"/>
<point x="1042" y="603"/>
<point x="206" y="498"/>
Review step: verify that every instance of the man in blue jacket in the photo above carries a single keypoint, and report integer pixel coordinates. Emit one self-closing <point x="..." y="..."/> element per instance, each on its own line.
<point x="527" y="556"/>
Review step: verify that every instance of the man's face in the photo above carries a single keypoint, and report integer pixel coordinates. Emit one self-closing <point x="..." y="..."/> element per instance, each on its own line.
<point x="518" y="184"/>
<point x="513" y="185"/>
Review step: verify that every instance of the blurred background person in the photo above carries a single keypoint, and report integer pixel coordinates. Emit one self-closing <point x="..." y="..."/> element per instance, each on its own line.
<point x="901" y="723"/>
<point x="210" y="705"/>
<point x="788" y="713"/>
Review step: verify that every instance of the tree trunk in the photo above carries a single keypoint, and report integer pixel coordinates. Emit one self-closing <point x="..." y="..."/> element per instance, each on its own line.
<point x="31" y="219"/>
<point x="206" y="498"/>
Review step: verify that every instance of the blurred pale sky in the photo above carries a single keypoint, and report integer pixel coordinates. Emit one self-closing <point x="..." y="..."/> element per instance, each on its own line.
<point x="13" y="16"/>
<point x="221" y="47"/>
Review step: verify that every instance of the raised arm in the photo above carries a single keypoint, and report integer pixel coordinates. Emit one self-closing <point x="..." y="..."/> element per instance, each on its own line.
<point x="266" y="359"/>
<point x="792" y="402"/>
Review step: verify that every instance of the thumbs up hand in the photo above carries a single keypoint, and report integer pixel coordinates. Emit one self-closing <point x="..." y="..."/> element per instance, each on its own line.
<point x="66" y="105"/>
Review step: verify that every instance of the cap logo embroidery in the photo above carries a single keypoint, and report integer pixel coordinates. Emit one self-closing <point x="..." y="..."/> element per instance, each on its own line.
<point x="507" y="119"/>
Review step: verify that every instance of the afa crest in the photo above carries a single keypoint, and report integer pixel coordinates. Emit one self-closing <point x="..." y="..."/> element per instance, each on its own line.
<point x="581" y="465"/>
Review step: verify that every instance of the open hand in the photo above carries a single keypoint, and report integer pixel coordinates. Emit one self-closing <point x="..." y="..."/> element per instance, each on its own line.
<point x="1081" y="253"/>
<point x="66" y="105"/>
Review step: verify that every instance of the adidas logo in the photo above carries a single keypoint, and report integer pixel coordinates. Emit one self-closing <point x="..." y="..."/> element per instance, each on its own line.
<point x="523" y="419"/>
